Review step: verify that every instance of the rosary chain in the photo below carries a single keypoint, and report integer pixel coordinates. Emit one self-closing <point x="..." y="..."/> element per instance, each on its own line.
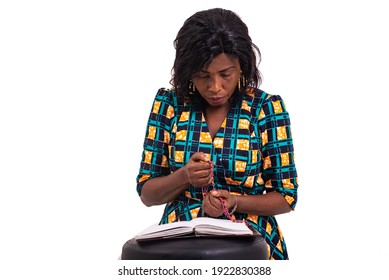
<point x="222" y="200"/>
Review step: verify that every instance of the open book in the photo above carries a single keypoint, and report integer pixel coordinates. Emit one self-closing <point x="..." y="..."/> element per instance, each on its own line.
<point x="202" y="226"/>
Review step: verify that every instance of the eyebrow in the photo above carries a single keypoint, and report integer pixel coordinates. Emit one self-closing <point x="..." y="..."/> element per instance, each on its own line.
<point x="228" y="68"/>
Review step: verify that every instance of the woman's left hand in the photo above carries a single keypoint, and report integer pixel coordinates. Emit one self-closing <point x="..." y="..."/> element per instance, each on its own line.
<point x="212" y="205"/>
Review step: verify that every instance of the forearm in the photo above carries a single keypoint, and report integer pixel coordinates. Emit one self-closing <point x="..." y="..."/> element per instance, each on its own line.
<point x="163" y="189"/>
<point x="268" y="204"/>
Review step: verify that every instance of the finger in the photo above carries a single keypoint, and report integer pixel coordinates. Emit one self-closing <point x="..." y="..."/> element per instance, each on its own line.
<point x="201" y="183"/>
<point x="197" y="166"/>
<point x="210" y="209"/>
<point x="202" y="166"/>
<point x="215" y="201"/>
<point x="220" y="193"/>
<point x="202" y="174"/>
<point x="199" y="174"/>
<point x="199" y="156"/>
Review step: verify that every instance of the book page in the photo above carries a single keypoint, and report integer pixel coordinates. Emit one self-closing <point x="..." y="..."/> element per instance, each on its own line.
<point x="165" y="230"/>
<point x="201" y="226"/>
<point x="214" y="226"/>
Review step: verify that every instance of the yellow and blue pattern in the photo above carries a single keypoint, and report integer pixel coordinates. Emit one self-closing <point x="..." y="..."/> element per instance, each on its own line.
<point x="252" y="154"/>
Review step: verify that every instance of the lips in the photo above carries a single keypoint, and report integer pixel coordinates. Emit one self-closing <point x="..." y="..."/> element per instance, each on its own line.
<point x="216" y="100"/>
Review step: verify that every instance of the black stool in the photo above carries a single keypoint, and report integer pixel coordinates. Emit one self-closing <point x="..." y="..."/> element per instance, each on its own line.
<point x="197" y="248"/>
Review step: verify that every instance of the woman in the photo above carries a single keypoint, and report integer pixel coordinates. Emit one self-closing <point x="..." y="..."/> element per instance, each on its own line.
<point x="215" y="144"/>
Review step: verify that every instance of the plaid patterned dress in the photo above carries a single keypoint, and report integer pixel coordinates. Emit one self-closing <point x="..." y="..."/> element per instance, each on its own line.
<point x="252" y="154"/>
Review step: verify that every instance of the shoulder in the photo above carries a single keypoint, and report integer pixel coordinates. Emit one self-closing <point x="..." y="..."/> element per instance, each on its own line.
<point x="164" y="94"/>
<point x="260" y="100"/>
<point x="168" y="103"/>
<point x="169" y="96"/>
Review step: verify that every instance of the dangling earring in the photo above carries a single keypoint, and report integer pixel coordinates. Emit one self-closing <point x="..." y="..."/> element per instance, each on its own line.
<point x="192" y="88"/>
<point x="241" y="83"/>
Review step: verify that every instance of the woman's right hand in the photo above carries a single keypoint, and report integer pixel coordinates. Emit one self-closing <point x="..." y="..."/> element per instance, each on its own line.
<point x="199" y="170"/>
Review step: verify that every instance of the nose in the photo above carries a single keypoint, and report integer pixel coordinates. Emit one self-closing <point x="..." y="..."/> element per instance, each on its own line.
<point x="215" y="84"/>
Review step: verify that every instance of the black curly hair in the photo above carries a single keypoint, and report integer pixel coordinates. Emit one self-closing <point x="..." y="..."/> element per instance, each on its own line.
<point x="207" y="34"/>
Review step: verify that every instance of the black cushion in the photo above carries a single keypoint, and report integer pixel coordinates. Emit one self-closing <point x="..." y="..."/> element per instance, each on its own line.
<point x="197" y="248"/>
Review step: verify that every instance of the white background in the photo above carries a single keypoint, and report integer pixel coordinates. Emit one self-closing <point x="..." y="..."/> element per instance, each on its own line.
<point x="77" y="79"/>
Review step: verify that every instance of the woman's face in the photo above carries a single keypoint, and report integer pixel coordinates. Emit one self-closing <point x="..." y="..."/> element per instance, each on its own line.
<point x="217" y="83"/>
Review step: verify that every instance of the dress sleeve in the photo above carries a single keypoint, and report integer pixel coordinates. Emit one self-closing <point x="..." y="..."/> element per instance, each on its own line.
<point x="155" y="154"/>
<point x="279" y="171"/>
